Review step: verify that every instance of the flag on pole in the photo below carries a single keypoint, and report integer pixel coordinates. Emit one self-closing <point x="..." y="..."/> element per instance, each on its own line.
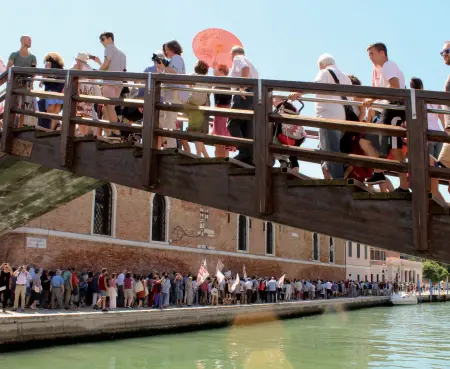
<point x="281" y="281"/>
<point x="236" y="283"/>
<point x="204" y="264"/>
<point x="220" y="276"/>
<point x="220" y="265"/>
<point x="244" y="273"/>
<point x="202" y="275"/>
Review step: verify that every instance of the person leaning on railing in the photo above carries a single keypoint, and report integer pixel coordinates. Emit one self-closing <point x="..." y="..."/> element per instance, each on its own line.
<point x="175" y="65"/>
<point x="242" y="67"/>
<point x="54" y="61"/>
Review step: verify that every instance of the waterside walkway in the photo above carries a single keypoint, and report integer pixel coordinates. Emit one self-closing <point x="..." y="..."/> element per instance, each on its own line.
<point x="42" y="327"/>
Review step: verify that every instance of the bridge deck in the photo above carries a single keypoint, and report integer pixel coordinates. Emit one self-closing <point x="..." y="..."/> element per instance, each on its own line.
<point x="413" y="223"/>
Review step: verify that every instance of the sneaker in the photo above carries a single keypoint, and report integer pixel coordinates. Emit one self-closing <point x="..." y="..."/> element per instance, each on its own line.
<point x="401" y="190"/>
<point x="376" y="178"/>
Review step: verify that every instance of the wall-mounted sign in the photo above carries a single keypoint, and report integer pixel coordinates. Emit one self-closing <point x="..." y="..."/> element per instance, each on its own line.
<point x="36" y="243"/>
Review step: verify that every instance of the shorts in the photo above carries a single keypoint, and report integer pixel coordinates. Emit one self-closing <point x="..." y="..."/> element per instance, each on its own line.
<point x="102" y="293"/>
<point x="111" y="91"/>
<point x="394" y="118"/>
<point x="128" y="293"/>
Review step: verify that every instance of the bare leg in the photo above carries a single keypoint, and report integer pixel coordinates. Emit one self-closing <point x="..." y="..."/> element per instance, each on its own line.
<point x="185" y="145"/>
<point x="220" y="151"/>
<point x="399" y="155"/>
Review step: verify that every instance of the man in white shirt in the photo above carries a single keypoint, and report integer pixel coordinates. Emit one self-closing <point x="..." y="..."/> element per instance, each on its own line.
<point x="387" y="74"/>
<point x="249" y="290"/>
<point x="329" y="139"/>
<point x="242" y="67"/>
<point x="115" y="61"/>
<point x="21" y="287"/>
<point x="120" y="293"/>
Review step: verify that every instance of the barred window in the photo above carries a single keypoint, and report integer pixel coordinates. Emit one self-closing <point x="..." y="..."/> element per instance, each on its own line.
<point x="269" y="239"/>
<point x="159" y="221"/>
<point x="315" y="247"/>
<point x="103" y="211"/>
<point x="242" y="233"/>
<point x="331" y="250"/>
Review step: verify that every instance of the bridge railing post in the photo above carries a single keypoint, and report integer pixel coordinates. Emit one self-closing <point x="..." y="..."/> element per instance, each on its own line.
<point x="262" y="156"/>
<point x="67" y="128"/>
<point x="152" y="94"/>
<point x="418" y="163"/>
<point x="9" y="118"/>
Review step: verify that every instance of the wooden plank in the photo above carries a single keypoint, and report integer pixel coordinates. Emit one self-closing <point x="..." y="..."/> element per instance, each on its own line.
<point x="39" y="94"/>
<point x="314" y="155"/>
<point x="442" y="173"/>
<point x="262" y="156"/>
<point x="132" y="103"/>
<point x="434" y="97"/>
<point x="438" y="136"/>
<point x="340" y="125"/>
<point x="203" y="137"/>
<point x="438" y="205"/>
<point x="105" y="145"/>
<point x="9" y="117"/>
<point x="67" y="148"/>
<point x="211" y="110"/>
<point x="37" y="114"/>
<point x="337" y="90"/>
<point x="316" y="182"/>
<point x="360" y="186"/>
<point x="382" y="196"/>
<point x="418" y="162"/>
<point x="152" y="94"/>
<point x="106" y="124"/>
<point x="202" y="161"/>
<point x="295" y="173"/>
<point x="241" y="171"/>
<point x="205" y="80"/>
<point x="239" y="163"/>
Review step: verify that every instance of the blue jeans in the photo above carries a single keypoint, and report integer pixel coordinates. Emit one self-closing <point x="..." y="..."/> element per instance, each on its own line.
<point x="330" y="141"/>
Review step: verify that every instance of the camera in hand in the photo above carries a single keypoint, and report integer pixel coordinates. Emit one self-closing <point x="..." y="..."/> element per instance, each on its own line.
<point x="157" y="59"/>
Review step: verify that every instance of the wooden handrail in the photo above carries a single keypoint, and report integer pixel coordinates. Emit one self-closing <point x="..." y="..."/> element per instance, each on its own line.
<point x="340" y="125"/>
<point x="106" y="124"/>
<point x="221" y="112"/>
<point x="39" y="94"/>
<point x="133" y="103"/>
<point x="205" y="138"/>
<point x="337" y="157"/>
<point x="438" y="136"/>
<point x="36" y="114"/>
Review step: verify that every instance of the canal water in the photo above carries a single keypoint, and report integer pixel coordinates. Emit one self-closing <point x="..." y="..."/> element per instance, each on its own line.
<point x="389" y="337"/>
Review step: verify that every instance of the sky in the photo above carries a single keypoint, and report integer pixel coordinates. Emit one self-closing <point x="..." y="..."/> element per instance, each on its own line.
<point x="283" y="40"/>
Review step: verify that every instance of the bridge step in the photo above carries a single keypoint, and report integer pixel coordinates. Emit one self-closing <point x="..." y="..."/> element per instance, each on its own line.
<point x="438" y="206"/>
<point x="382" y="196"/>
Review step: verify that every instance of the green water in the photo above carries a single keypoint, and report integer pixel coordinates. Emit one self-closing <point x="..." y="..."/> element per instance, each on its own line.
<point x="397" y="337"/>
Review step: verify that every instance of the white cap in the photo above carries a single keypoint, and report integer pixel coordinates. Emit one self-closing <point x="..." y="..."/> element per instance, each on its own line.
<point x="84" y="57"/>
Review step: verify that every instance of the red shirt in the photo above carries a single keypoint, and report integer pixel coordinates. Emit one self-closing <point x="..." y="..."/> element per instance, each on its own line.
<point x="101" y="283"/>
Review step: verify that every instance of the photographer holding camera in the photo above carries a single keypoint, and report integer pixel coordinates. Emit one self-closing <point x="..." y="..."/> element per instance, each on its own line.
<point x="175" y="65"/>
<point x="21" y="287"/>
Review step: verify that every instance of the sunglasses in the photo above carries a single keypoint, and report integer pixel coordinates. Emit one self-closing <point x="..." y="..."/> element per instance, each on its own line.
<point x="445" y="52"/>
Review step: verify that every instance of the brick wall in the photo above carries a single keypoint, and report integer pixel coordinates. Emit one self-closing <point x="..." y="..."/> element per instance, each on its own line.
<point x="132" y="223"/>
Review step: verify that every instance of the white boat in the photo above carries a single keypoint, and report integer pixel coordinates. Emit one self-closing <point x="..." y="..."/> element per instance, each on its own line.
<point x="403" y="298"/>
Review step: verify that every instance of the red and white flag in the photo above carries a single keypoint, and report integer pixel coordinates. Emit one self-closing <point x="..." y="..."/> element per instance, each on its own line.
<point x="202" y="275"/>
<point x="236" y="283"/>
<point x="244" y="273"/>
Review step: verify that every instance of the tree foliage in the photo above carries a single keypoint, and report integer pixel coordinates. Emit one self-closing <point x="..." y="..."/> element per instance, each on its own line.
<point x="434" y="271"/>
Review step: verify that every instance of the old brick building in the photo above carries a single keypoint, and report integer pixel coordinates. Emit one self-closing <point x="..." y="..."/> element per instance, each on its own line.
<point x="123" y="228"/>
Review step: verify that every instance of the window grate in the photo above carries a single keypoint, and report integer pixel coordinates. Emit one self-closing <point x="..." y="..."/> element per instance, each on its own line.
<point x="103" y="210"/>
<point x="159" y="218"/>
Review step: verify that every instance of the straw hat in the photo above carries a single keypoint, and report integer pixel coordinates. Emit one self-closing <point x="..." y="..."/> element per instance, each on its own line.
<point x="84" y="57"/>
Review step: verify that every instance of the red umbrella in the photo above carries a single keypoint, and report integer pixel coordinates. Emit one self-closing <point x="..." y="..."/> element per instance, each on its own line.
<point x="213" y="46"/>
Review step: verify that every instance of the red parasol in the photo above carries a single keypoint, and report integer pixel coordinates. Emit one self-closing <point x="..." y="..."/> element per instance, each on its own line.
<point x="213" y="46"/>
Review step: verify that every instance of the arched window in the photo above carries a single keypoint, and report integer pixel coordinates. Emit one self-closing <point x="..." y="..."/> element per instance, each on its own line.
<point x="315" y="247"/>
<point x="242" y="233"/>
<point x="159" y="221"/>
<point x="269" y="239"/>
<point x="331" y="250"/>
<point x="103" y="211"/>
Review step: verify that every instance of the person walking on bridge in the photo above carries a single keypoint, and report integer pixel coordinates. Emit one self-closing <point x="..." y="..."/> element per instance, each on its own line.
<point x="23" y="58"/>
<point x="242" y="67"/>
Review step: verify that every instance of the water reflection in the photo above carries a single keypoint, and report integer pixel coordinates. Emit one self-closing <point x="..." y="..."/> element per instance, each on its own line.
<point x="400" y="337"/>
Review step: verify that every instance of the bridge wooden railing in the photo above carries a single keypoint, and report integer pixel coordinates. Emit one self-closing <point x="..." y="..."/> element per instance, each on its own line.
<point x="413" y="102"/>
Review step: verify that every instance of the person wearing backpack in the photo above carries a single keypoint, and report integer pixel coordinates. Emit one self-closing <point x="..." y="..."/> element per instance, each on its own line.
<point x="329" y="139"/>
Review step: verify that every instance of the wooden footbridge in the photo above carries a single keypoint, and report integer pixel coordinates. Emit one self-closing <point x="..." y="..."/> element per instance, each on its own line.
<point x="41" y="170"/>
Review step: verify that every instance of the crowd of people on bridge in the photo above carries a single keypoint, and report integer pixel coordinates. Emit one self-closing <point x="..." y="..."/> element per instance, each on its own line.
<point x="386" y="73"/>
<point x="36" y="288"/>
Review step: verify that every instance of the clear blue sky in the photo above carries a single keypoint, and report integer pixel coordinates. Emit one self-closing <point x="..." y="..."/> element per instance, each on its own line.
<point x="283" y="39"/>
